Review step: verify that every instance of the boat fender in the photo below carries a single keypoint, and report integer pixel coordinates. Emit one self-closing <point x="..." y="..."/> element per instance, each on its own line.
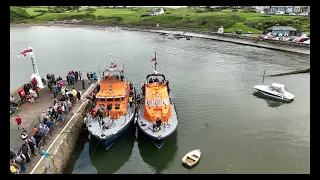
<point x="84" y="120"/>
<point x="168" y="125"/>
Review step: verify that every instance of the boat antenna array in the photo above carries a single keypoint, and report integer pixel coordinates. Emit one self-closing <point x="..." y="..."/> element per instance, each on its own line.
<point x="155" y="61"/>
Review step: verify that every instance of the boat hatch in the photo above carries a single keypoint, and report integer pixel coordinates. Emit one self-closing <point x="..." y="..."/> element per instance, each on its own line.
<point x="157" y="102"/>
<point x="149" y="102"/>
<point x="165" y="102"/>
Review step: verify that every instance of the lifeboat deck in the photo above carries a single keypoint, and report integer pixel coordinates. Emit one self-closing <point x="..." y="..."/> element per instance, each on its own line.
<point x="166" y="129"/>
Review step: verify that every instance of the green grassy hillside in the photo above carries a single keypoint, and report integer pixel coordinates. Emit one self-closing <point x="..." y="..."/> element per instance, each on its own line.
<point x="176" y="18"/>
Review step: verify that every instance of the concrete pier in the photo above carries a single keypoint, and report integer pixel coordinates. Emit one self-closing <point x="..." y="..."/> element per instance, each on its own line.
<point x="30" y="115"/>
<point x="64" y="138"/>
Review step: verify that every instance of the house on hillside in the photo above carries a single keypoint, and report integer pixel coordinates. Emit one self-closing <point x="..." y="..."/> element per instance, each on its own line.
<point x="282" y="30"/>
<point x="285" y="9"/>
<point x="262" y="8"/>
<point x="300" y="9"/>
<point x="157" y="12"/>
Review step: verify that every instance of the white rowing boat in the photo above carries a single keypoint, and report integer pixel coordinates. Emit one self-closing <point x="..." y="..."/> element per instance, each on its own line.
<point x="192" y="157"/>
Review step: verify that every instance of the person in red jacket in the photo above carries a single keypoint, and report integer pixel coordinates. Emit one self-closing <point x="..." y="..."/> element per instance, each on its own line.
<point x="19" y="122"/>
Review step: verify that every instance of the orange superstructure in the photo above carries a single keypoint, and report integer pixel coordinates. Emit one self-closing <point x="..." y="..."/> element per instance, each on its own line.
<point x="157" y="102"/>
<point x="114" y="93"/>
<point x="156" y="95"/>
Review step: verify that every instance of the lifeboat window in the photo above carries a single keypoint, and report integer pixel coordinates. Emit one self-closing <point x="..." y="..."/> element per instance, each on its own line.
<point x="157" y="102"/>
<point x="165" y="102"/>
<point x="117" y="106"/>
<point x="102" y="99"/>
<point x="122" y="98"/>
<point x="109" y="107"/>
<point x="149" y="102"/>
<point x="109" y="99"/>
<point x="117" y="99"/>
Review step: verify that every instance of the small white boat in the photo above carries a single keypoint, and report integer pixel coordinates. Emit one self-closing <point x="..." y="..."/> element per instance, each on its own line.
<point x="277" y="91"/>
<point x="192" y="157"/>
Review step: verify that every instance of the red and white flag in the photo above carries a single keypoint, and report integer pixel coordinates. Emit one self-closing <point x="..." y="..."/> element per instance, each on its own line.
<point x="153" y="59"/>
<point x="114" y="66"/>
<point x="26" y="52"/>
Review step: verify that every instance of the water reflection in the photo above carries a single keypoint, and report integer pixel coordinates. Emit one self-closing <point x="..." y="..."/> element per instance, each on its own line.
<point x="110" y="161"/>
<point x="155" y="157"/>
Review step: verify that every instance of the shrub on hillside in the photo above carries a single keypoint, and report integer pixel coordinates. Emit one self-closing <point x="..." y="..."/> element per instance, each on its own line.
<point x="87" y="16"/>
<point x="90" y="9"/>
<point x="101" y="17"/>
<point x="117" y="18"/>
<point x="40" y="10"/>
<point x="17" y="14"/>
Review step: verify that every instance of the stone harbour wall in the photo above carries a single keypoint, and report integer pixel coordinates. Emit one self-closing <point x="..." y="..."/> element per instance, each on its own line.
<point x="66" y="144"/>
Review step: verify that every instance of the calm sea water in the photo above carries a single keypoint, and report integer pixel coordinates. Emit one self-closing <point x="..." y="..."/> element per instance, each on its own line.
<point x="212" y="84"/>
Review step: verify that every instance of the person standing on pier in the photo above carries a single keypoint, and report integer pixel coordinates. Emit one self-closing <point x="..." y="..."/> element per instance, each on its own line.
<point x="76" y="76"/>
<point x="21" y="160"/>
<point x="24" y="150"/>
<point x="83" y="83"/>
<point x="130" y="101"/>
<point x="78" y="96"/>
<point x="31" y="146"/>
<point x="12" y="154"/>
<point x="80" y="74"/>
<point x="88" y="76"/>
<point x="19" y="122"/>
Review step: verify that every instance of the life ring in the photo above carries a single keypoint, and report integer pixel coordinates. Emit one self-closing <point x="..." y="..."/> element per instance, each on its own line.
<point x="168" y="125"/>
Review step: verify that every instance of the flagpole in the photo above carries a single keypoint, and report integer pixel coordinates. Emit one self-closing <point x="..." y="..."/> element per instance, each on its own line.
<point x="155" y="62"/>
<point x="99" y="67"/>
<point x="34" y="63"/>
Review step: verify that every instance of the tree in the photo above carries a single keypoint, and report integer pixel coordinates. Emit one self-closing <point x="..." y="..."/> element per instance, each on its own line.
<point x="76" y="7"/>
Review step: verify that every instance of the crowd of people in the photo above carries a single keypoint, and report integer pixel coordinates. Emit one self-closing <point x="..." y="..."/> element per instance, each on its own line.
<point x="29" y="92"/>
<point x="54" y="114"/>
<point x="92" y="76"/>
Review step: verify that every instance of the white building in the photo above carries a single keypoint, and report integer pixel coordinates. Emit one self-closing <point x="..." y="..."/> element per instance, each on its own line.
<point x="300" y="9"/>
<point x="158" y="11"/>
<point x="286" y="9"/>
<point x="262" y="8"/>
<point x="290" y="9"/>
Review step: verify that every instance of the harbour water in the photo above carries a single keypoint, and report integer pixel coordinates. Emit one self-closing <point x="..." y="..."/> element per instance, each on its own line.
<point x="212" y="84"/>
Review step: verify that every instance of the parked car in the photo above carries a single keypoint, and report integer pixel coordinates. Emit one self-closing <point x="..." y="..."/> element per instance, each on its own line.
<point x="292" y="14"/>
<point x="269" y="12"/>
<point x="279" y="13"/>
<point x="303" y="14"/>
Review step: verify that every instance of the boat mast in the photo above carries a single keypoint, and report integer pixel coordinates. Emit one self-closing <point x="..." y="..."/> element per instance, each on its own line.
<point x="264" y="72"/>
<point x="155" y="61"/>
<point x="111" y="61"/>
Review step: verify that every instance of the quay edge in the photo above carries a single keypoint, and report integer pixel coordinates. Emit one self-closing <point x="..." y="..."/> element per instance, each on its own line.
<point x="65" y="144"/>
